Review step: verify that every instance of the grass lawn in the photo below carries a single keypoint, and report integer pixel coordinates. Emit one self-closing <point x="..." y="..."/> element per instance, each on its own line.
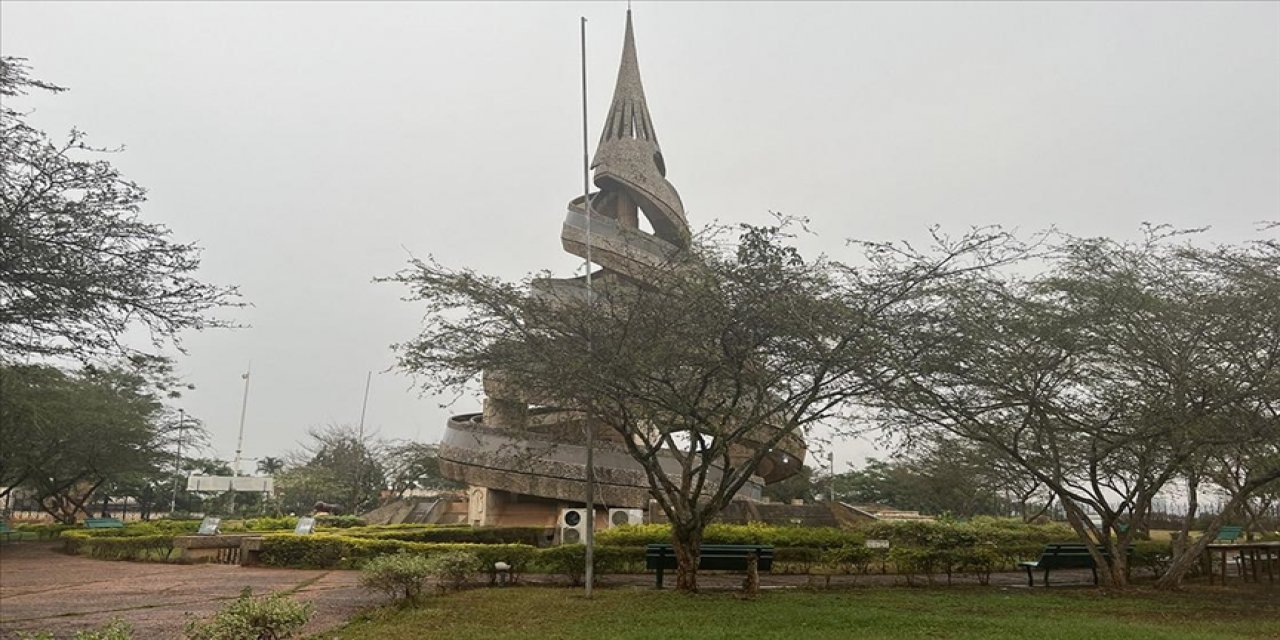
<point x="543" y="612"/>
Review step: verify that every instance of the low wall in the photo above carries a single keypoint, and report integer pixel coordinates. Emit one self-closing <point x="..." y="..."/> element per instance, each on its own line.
<point x="234" y="548"/>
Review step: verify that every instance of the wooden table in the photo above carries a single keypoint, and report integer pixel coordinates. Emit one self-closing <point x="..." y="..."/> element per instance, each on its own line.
<point x="1267" y="553"/>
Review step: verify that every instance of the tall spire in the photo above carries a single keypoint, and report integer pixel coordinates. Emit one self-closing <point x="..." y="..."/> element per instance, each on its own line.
<point x="629" y="112"/>
<point x="630" y="169"/>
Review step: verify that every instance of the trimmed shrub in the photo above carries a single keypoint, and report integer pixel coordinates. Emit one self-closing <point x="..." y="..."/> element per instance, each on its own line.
<point x="911" y="562"/>
<point x="402" y="576"/>
<point x="176" y="527"/>
<point x="752" y="533"/>
<point x="851" y="559"/>
<point x="532" y="536"/>
<point x="45" y="530"/>
<point x="453" y="568"/>
<point x="273" y="617"/>
<point x="340" y="522"/>
<point x="570" y="560"/>
<point x="979" y="561"/>
<point x="326" y="550"/>
<point x="283" y="523"/>
<point x="795" y="559"/>
<point x="155" y="547"/>
<point x="1151" y="556"/>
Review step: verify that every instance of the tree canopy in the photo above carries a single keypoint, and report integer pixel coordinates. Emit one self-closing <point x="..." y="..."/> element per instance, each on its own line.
<point x="78" y="265"/>
<point x="726" y="353"/>
<point x="1107" y="376"/>
<point x="66" y="435"/>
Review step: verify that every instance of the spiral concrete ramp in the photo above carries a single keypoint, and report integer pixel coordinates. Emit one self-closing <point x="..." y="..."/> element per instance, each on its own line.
<point x="538" y="454"/>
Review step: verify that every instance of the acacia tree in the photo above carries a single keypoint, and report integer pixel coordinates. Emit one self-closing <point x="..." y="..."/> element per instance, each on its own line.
<point x="1107" y="377"/>
<point x="727" y="353"/>
<point x="415" y="465"/>
<point x="67" y="436"/>
<point x="335" y="466"/>
<point x="78" y="266"/>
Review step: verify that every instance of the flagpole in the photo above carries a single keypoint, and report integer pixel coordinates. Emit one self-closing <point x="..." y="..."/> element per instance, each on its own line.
<point x="591" y="431"/>
<point x="235" y="465"/>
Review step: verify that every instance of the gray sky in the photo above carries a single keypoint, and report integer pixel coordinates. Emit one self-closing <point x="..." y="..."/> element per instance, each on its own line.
<point x="309" y="147"/>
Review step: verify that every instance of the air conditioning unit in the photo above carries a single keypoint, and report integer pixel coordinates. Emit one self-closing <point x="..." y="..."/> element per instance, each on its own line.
<point x="619" y="517"/>
<point x="573" y="526"/>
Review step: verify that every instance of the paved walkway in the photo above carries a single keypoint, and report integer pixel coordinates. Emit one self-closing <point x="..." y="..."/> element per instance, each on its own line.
<point x="42" y="589"/>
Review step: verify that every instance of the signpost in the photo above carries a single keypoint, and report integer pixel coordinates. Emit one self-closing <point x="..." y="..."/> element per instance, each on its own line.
<point x="306" y="526"/>
<point x="209" y="526"/>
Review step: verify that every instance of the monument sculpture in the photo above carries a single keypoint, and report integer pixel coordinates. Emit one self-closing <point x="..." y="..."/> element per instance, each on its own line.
<point x="526" y="466"/>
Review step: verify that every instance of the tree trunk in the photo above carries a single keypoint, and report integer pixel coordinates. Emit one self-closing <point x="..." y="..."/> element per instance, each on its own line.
<point x="1119" y="567"/>
<point x="687" y="543"/>
<point x="751" y="585"/>
<point x="1190" y="554"/>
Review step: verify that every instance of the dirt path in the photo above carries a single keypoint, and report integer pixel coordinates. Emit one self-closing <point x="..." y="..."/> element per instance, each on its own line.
<point x="44" y="590"/>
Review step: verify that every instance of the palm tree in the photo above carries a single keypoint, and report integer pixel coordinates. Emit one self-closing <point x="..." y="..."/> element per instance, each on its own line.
<point x="269" y="466"/>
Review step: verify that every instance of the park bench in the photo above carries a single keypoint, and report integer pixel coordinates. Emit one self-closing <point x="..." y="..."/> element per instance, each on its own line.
<point x="6" y="533"/>
<point x="714" y="557"/>
<point x="103" y="523"/>
<point x="1063" y="555"/>
<point x="1229" y="534"/>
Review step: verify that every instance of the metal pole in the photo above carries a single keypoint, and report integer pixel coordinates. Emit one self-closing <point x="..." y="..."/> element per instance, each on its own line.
<point x="177" y="462"/>
<point x="355" y="494"/>
<point x="831" y="464"/>
<point x="244" y="406"/>
<point x="591" y="431"/>
<point x="235" y="466"/>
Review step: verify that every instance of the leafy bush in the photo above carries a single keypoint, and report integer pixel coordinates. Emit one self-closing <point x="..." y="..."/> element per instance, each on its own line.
<point x="532" y="536"/>
<point x="45" y="530"/>
<point x="910" y="562"/>
<point x="272" y="617"/>
<point x="978" y="561"/>
<point x="795" y="559"/>
<point x="175" y="526"/>
<point x="1151" y="556"/>
<point x="453" y="568"/>
<point x="850" y="559"/>
<point x="283" y="523"/>
<point x="570" y="560"/>
<point x="340" y="522"/>
<point x="115" y="629"/>
<point x="402" y="576"/>
<point x="721" y="533"/>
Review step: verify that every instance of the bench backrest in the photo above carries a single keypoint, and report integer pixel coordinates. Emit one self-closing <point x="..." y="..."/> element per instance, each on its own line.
<point x="103" y="523"/>
<point x="4" y="527"/>
<point x="1070" y="555"/>
<point x="723" y="557"/>
<point x="1229" y="534"/>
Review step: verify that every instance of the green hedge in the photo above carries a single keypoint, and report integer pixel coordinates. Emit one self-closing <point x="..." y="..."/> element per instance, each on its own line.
<point x="326" y="550"/>
<point x="570" y="560"/>
<point x="1002" y="531"/>
<point x="532" y="536"/>
<point x="154" y="547"/>
<point x="753" y="533"/>
<point x="44" y="530"/>
<point x="282" y="523"/>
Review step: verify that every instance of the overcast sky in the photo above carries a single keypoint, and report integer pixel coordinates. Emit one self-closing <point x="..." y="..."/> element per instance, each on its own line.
<point x="310" y="147"/>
